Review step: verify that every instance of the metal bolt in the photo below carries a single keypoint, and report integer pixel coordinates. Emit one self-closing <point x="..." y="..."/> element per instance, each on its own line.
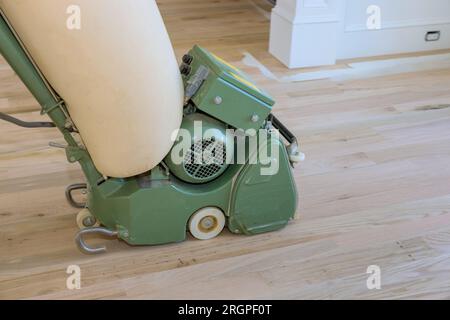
<point x="187" y="58"/>
<point x="72" y="159"/>
<point x="255" y="118"/>
<point x="218" y="100"/>
<point x="207" y="222"/>
<point x="185" y="69"/>
<point x="89" y="221"/>
<point x="68" y="124"/>
<point x="125" y="234"/>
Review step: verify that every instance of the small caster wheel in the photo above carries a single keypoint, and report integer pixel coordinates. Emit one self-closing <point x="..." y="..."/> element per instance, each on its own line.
<point x="86" y="220"/>
<point x="299" y="157"/>
<point x="206" y="223"/>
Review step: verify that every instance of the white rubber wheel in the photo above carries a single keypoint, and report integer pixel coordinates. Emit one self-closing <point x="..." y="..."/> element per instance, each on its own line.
<point x="85" y="219"/>
<point x="206" y="223"/>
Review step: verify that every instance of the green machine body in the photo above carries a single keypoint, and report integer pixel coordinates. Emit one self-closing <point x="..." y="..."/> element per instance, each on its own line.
<point x="161" y="205"/>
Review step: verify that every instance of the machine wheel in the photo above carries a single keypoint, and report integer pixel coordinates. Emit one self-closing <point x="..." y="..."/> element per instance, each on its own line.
<point x="206" y="223"/>
<point x="86" y="220"/>
<point x="299" y="157"/>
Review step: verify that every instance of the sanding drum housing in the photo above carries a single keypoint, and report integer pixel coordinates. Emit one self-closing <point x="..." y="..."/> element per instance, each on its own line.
<point x="118" y="75"/>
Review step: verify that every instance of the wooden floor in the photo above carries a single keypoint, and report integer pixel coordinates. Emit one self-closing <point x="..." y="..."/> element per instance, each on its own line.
<point x="374" y="190"/>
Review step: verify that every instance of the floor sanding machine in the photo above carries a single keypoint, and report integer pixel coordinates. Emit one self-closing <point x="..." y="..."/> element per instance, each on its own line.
<point x="165" y="149"/>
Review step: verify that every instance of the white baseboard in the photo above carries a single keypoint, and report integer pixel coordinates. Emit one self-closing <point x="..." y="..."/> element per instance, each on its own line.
<point x="306" y="33"/>
<point x="355" y="44"/>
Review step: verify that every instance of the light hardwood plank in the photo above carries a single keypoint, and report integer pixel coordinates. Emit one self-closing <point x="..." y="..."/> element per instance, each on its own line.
<point x="375" y="189"/>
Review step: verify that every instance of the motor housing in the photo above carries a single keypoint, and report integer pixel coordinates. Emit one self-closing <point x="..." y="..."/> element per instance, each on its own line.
<point x="202" y="150"/>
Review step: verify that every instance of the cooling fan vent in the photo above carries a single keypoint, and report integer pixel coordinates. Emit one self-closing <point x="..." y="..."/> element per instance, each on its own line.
<point x="206" y="159"/>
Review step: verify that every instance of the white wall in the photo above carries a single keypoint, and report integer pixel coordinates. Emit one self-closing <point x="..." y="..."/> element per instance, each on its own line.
<point x="317" y="32"/>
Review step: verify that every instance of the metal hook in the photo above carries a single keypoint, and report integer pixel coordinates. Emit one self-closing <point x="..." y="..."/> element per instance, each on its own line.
<point x="97" y="230"/>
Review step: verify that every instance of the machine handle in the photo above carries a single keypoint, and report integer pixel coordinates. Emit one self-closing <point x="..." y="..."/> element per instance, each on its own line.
<point x="293" y="149"/>
<point x="69" y="197"/>
<point x="26" y="124"/>
<point x="288" y="135"/>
